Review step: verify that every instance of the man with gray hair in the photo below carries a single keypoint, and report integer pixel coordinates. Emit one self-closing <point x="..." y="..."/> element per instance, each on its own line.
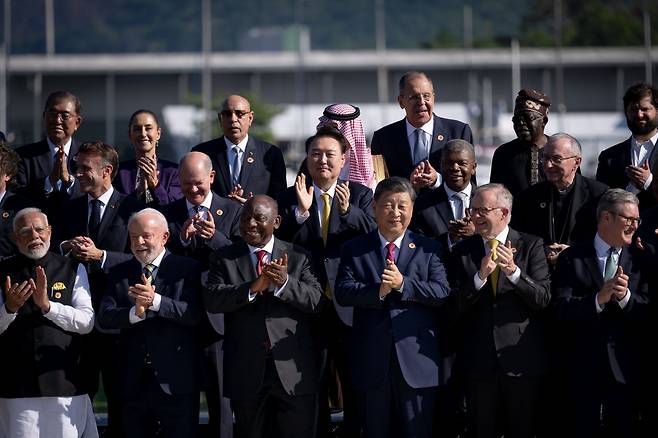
<point x="151" y="298"/>
<point x="502" y="283"/>
<point x="561" y="210"/>
<point x="44" y="306"/>
<point x="600" y="307"/>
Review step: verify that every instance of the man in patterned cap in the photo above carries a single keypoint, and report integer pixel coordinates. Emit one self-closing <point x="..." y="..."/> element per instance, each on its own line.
<point x="516" y="164"/>
<point x="358" y="164"/>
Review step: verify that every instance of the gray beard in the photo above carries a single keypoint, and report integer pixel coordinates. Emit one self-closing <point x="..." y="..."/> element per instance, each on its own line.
<point x="36" y="254"/>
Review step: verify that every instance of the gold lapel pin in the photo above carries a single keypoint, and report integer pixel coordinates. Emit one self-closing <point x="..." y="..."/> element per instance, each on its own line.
<point x="5" y="215"/>
<point x="58" y="295"/>
<point x="440" y="137"/>
<point x="250" y="160"/>
<point x="219" y="212"/>
<point x="412" y="245"/>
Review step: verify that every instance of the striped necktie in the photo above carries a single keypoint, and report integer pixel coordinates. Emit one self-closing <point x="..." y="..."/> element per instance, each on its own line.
<point x="148" y="272"/>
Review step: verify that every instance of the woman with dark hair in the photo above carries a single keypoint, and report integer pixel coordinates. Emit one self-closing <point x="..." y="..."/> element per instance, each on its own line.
<point x="148" y="178"/>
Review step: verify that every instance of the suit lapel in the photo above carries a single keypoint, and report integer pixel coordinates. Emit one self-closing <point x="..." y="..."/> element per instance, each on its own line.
<point x="111" y="210"/>
<point x="222" y="161"/>
<point x="443" y="206"/>
<point x="439" y="136"/>
<point x="248" y="160"/>
<point x="407" y="250"/>
<point x="72" y="158"/>
<point x="403" y="154"/>
<point x="592" y="265"/>
<point x="578" y="199"/>
<point x="376" y="256"/>
<point x="45" y="158"/>
<point x="244" y="264"/>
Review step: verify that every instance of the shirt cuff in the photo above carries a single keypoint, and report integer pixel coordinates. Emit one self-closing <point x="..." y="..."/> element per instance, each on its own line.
<point x="624" y="301"/>
<point x="133" y="318"/>
<point x="477" y="282"/>
<point x="279" y="291"/>
<point x="439" y="180"/>
<point x="104" y="256"/>
<point x="648" y="183"/>
<point x="157" y="299"/>
<point x="514" y="278"/>
<point x="252" y="296"/>
<point x="301" y="218"/>
<point x="599" y="309"/>
<point x="47" y="187"/>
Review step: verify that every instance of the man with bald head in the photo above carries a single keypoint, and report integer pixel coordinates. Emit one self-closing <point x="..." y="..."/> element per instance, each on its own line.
<point x="245" y="165"/>
<point x="153" y="298"/>
<point x="268" y="293"/>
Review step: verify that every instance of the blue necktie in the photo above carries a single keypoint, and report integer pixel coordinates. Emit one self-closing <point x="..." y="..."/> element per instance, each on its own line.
<point x="236" y="166"/>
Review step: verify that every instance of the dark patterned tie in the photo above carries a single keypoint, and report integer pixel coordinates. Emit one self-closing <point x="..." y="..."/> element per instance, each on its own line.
<point x="148" y="272"/>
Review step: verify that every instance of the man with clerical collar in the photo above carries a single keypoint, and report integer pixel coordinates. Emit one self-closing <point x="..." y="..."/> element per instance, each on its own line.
<point x="602" y="314"/>
<point x="45" y="306"/>
<point x="517" y="164"/>
<point x="560" y="209"/>
<point x="628" y="165"/>
<point x="442" y="213"/>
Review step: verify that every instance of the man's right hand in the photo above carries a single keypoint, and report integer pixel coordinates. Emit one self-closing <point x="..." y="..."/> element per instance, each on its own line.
<point x="487" y="266"/>
<point x="16" y="294"/>
<point x="304" y="195"/>
<point x="189" y="230"/>
<point x="616" y="287"/>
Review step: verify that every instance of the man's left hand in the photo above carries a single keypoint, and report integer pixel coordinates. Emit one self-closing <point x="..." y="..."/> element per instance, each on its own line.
<point x="277" y="270"/>
<point x="343" y="197"/>
<point x="205" y="228"/>
<point x="40" y="292"/>
<point x="639" y="174"/>
<point x="505" y="258"/>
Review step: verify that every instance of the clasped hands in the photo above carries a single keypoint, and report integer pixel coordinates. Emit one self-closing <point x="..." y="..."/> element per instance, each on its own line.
<point x="460" y="228"/>
<point x="305" y="196"/>
<point x="616" y="287"/>
<point x="424" y="175"/>
<point x="274" y="273"/>
<point x="60" y="169"/>
<point x="143" y="294"/>
<point x="196" y="226"/>
<point x="82" y="248"/>
<point x="392" y="279"/>
<point x="18" y="293"/>
<point x="504" y="260"/>
<point x="149" y="168"/>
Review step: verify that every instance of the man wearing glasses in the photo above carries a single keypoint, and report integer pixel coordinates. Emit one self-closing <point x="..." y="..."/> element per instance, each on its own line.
<point x="600" y="307"/>
<point x="244" y="165"/>
<point x="516" y="164"/>
<point x="502" y="283"/>
<point x="561" y="209"/>
<point x="412" y="146"/>
<point x="48" y="166"/>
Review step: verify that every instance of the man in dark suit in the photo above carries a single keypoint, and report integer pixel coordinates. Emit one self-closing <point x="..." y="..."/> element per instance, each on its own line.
<point x="627" y="165"/>
<point x="268" y="293"/>
<point x="47" y="167"/>
<point x="393" y="278"/>
<point x="244" y="165"/>
<point x="10" y="203"/>
<point x="560" y="210"/>
<point x="600" y="304"/>
<point x="502" y="280"/>
<point x="412" y="146"/>
<point x="441" y="214"/>
<point x="154" y="299"/>
<point x="199" y="224"/>
<point x="95" y="232"/>
<point x="321" y="215"/>
<point x="517" y="164"/>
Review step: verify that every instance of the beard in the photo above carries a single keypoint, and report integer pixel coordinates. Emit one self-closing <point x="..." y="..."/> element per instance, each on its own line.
<point x="37" y="253"/>
<point x="638" y="129"/>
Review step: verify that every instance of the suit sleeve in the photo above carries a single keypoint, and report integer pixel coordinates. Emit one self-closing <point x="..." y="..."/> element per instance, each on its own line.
<point x="350" y="290"/>
<point x="169" y="192"/>
<point x="603" y="170"/>
<point x="219" y="295"/>
<point x="467" y="134"/>
<point x="303" y="290"/>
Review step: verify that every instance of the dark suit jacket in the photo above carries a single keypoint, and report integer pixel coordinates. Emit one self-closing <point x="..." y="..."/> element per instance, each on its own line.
<point x="358" y="220"/>
<point x="167" y="190"/>
<point x="263" y="170"/>
<point x="507" y="332"/>
<point x="432" y="213"/>
<point x="612" y="165"/>
<point x="10" y="204"/>
<point x="225" y="213"/>
<point x="585" y="334"/>
<point x="36" y="163"/>
<point x="285" y="320"/>
<point x="533" y="210"/>
<point x="112" y="234"/>
<point x="406" y="322"/>
<point x="510" y="166"/>
<point x="168" y="336"/>
<point x="391" y="141"/>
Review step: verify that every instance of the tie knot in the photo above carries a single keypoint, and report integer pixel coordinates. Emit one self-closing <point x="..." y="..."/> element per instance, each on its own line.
<point x="149" y="268"/>
<point x="493" y="243"/>
<point x="197" y="209"/>
<point x="95" y="202"/>
<point x="261" y="253"/>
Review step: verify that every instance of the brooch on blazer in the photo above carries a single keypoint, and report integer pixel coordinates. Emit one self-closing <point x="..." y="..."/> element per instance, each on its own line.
<point x="219" y="212"/>
<point x="54" y="290"/>
<point x="440" y="137"/>
<point x="250" y="158"/>
<point x="5" y="216"/>
<point x="542" y="205"/>
<point x="412" y="245"/>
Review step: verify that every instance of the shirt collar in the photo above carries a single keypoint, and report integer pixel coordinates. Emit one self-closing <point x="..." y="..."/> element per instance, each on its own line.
<point x="427" y="127"/>
<point x="2" y="196"/>
<point x="206" y="202"/>
<point x="242" y="145"/>
<point x="104" y="198"/>
<point x="319" y="192"/>
<point x="635" y="144"/>
<point x="397" y="242"/>
<point x="501" y="237"/>
<point x="602" y="247"/>
<point x="156" y="261"/>
<point x="467" y="190"/>
<point x="53" y="148"/>
<point x="269" y="247"/>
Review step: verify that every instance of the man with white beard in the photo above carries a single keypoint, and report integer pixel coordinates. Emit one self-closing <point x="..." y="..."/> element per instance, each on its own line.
<point x="44" y="305"/>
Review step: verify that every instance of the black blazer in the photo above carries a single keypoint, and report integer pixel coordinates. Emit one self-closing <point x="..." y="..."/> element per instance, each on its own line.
<point x="507" y="332"/>
<point x="286" y="321"/>
<point x="36" y="163"/>
<point x="263" y="170"/>
<point x="169" y="336"/>
<point x="612" y="165"/>
<point x="10" y="204"/>
<point x="533" y="211"/>
<point x="583" y="333"/>
<point x="391" y="141"/>
<point x="225" y="213"/>
<point x="432" y="213"/>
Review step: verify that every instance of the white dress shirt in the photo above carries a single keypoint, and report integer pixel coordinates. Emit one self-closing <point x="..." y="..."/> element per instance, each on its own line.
<point x="466" y="199"/>
<point x="230" y="153"/>
<point x="317" y="193"/>
<point x="502" y="240"/>
<point x="641" y="152"/>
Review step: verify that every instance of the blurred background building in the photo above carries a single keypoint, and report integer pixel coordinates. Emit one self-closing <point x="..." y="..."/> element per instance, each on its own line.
<point x="294" y="57"/>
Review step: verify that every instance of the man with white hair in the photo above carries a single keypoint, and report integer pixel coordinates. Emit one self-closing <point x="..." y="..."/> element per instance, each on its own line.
<point x="153" y="298"/>
<point x="45" y="303"/>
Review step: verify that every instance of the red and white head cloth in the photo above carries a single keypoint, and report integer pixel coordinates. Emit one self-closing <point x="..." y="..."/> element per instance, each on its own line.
<point x="345" y="117"/>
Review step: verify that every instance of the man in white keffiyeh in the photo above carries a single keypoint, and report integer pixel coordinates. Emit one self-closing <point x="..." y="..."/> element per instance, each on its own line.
<point x="358" y="166"/>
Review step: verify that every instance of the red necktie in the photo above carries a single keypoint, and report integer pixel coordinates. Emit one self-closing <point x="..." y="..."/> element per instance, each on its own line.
<point x="390" y="252"/>
<point x="260" y="254"/>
